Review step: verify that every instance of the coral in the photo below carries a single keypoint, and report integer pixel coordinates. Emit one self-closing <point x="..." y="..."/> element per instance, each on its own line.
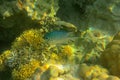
<point x="62" y="54"/>
<point x="54" y="71"/>
<point x="54" y="56"/>
<point x="38" y="9"/>
<point x="91" y="43"/>
<point x="31" y="38"/>
<point x="92" y="72"/>
<point x="29" y="45"/>
<point x="67" y="51"/>
<point x="25" y="71"/>
<point x="110" y="58"/>
<point x="3" y="58"/>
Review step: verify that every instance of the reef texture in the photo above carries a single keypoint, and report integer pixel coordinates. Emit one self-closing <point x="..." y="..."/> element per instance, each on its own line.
<point x="25" y="23"/>
<point x="47" y="61"/>
<point x="110" y="58"/>
<point x="37" y="9"/>
<point x="19" y="15"/>
<point x="102" y="14"/>
<point x="105" y="15"/>
<point x="91" y="43"/>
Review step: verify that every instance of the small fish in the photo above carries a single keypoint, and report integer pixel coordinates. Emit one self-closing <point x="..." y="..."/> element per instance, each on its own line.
<point x="59" y="37"/>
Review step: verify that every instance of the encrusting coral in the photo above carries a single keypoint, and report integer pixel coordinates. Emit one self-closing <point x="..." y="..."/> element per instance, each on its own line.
<point x="110" y="58"/>
<point x="95" y="72"/>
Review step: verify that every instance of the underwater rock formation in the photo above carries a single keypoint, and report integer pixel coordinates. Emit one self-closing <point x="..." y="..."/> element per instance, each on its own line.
<point x="73" y="11"/>
<point x="102" y="14"/>
<point x="38" y="9"/>
<point x="105" y="15"/>
<point x="17" y="16"/>
<point x="110" y="58"/>
<point x="95" y="72"/>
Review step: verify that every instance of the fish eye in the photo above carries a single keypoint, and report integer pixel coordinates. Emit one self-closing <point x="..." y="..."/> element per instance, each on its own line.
<point x="45" y="37"/>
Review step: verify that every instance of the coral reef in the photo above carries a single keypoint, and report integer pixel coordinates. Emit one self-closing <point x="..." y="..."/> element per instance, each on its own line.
<point x="30" y="45"/>
<point x="67" y="50"/>
<point x="13" y="12"/>
<point x="110" y="57"/>
<point x="37" y="9"/>
<point x="95" y="72"/>
<point x="25" y="71"/>
<point x="12" y="26"/>
<point x="91" y="43"/>
<point x="59" y="39"/>
<point x="105" y="15"/>
<point x="31" y="38"/>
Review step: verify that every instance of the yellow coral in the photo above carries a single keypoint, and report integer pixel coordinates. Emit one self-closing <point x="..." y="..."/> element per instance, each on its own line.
<point x="67" y="50"/>
<point x="25" y="71"/>
<point x="3" y="57"/>
<point x="31" y="37"/>
<point x="54" y="56"/>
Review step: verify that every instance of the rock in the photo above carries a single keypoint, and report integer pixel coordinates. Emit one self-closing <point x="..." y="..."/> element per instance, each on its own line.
<point x="110" y="58"/>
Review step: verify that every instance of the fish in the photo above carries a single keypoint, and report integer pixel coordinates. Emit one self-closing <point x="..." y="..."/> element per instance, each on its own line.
<point x="59" y="37"/>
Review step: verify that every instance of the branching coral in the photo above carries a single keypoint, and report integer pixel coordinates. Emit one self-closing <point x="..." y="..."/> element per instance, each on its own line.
<point x="31" y="38"/>
<point x="25" y="71"/>
<point x="30" y="45"/>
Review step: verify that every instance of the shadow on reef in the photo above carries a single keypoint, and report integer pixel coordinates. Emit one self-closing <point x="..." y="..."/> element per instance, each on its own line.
<point x="5" y="75"/>
<point x="12" y="26"/>
<point x="73" y="11"/>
